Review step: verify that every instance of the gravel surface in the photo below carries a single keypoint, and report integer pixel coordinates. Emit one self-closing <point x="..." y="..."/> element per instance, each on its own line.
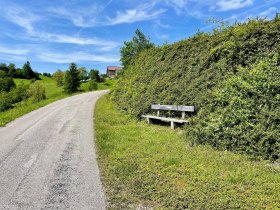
<point x="48" y="160"/>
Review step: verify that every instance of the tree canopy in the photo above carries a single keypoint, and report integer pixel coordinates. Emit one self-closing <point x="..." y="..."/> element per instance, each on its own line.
<point x="131" y="49"/>
<point x="94" y="75"/>
<point x="72" y="79"/>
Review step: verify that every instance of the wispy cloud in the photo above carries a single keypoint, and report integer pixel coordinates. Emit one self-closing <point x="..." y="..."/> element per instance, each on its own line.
<point x="76" y="57"/>
<point x="20" y="17"/>
<point x="269" y="13"/>
<point x="66" y="39"/>
<point x="178" y="5"/>
<point x="77" y="15"/>
<point x="93" y="17"/>
<point x="225" y="5"/>
<point x="13" y="51"/>
<point x="13" y="54"/>
<point x="134" y="15"/>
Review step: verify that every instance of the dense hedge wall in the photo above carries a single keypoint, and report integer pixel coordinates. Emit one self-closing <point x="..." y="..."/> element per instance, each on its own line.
<point x="232" y="78"/>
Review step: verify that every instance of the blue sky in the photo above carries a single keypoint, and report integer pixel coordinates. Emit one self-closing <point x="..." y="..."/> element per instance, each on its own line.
<point x="51" y="34"/>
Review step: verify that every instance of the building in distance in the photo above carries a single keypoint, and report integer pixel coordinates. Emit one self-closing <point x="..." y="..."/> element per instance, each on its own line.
<point x="112" y="71"/>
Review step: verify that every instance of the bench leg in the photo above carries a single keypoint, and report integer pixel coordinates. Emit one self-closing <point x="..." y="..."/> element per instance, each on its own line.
<point x="172" y="125"/>
<point x="148" y="120"/>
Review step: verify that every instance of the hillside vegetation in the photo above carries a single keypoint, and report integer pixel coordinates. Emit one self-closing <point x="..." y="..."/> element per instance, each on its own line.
<point x="51" y="93"/>
<point x="231" y="76"/>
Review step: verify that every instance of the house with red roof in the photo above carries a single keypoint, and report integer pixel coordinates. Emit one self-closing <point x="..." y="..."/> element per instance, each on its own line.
<point x="112" y="71"/>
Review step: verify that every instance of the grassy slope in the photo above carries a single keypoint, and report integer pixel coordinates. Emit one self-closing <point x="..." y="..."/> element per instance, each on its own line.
<point x="53" y="93"/>
<point x="152" y="166"/>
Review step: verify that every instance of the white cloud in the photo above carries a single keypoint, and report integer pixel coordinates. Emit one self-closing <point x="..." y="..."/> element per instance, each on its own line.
<point x="269" y="13"/>
<point x="61" y="38"/>
<point x="134" y="15"/>
<point x="20" y="17"/>
<point x="13" y="51"/>
<point x="77" y="16"/>
<point x="93" y="17"/>
<point x="225" y="5"/>
<point x="178" y="5"/>
<point x="76" y="57"/>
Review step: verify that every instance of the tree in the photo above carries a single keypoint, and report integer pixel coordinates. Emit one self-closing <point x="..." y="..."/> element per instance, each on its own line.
<point x="72" y="80"/>
<point x="12" y="69"/>
<point x="28" y="72"/>
<point x="94" y="75"/>
<point x="83" y="74"/>
<point x="59" y="77"/>
<point x="131" y="49"/>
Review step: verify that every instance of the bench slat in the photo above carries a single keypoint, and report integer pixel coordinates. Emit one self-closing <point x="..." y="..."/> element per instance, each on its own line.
<point x="165" y="119"/>
<point x="173" y="108"/>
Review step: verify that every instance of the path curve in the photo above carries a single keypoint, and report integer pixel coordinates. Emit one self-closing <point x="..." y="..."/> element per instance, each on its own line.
<point x="48" y="159"/>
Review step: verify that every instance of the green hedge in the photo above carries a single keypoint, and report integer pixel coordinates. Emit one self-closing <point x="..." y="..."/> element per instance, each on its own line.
<point x="230" y="76"/>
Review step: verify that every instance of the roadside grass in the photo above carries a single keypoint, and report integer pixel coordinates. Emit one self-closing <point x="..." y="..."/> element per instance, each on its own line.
<point x="152" y="167"/>
<point x="53" y="93"/>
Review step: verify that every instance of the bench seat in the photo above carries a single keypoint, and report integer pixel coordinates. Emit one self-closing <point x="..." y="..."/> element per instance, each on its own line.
<point x="158" y="108"/>
<point x="166" y="119"/>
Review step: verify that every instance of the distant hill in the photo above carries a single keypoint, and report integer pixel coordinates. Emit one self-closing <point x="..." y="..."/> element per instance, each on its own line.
<point x="231" y="76"/>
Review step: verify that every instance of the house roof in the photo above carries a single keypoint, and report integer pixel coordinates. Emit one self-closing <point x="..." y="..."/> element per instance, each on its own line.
<point x="113" y="68"/>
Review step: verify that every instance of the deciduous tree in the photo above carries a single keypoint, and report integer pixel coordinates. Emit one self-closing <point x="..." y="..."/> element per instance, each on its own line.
<point x="132" y="48"/>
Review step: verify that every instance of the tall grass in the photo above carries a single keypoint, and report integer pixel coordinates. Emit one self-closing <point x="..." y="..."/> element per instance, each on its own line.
<point x="150" y="166"/>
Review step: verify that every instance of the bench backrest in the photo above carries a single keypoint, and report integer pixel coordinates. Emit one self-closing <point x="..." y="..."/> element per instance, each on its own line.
<point x="173" y="108"/>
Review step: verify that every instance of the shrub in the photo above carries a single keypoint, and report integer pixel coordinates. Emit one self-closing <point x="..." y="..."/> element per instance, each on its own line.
<point x="36" y="92"/>
<point x="5" y="101"/>
<point x="6" y="84"/>
<point x="245" y="114"/>
<point x="92" y="85"/>
<point x="234" y="63"/>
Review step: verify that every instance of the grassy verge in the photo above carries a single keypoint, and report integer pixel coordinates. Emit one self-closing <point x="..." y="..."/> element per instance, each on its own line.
<point x="153" y="166"/>
<point x="53" y="93"/>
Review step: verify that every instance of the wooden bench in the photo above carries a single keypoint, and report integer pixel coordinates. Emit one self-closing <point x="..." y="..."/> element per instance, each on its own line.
<point x="172" y="121"/>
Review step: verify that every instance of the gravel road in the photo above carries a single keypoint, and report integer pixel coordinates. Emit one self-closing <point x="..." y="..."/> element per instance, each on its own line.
<point x="48" y="160"/>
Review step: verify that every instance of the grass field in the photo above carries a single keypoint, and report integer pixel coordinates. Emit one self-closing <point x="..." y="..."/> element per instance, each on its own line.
<point x="150" y="166"/>
<point x="53" y="93"/>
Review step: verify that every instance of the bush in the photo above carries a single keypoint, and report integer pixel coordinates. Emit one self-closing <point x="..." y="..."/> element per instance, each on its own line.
<point x="92" y="85"/>
<point x="194" y="71"/>
<point x="245" y="114"/>
<point x="36" y="92"/>
<point x="5" y="101"/>
<point x="6" y="84"/>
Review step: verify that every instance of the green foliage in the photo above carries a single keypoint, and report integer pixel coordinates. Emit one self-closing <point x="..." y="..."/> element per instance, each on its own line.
<point x="8" y="99"/>
<point x="131" y="49"/>
<point x="28" y="73"/>
<point x="37" y="92"/>
<point x="92" y="85"/>
<point x="244" y="115"/>
<point x="151" y="167"/>
<point x="72" y="79"/>
<point x="193" y="71"/>
<point x="6" y="84"/>
<point x="94" y="75"/>
<point x="59" y="77"/>
<point x="83" y="74"/>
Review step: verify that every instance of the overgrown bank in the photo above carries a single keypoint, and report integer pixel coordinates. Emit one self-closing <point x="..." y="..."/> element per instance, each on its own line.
<point x="151" y="166"/>
<point x="231" y="76"/>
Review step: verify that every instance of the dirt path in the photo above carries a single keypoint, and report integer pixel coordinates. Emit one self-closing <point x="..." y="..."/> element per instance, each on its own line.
<point x="48" y="160"/>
